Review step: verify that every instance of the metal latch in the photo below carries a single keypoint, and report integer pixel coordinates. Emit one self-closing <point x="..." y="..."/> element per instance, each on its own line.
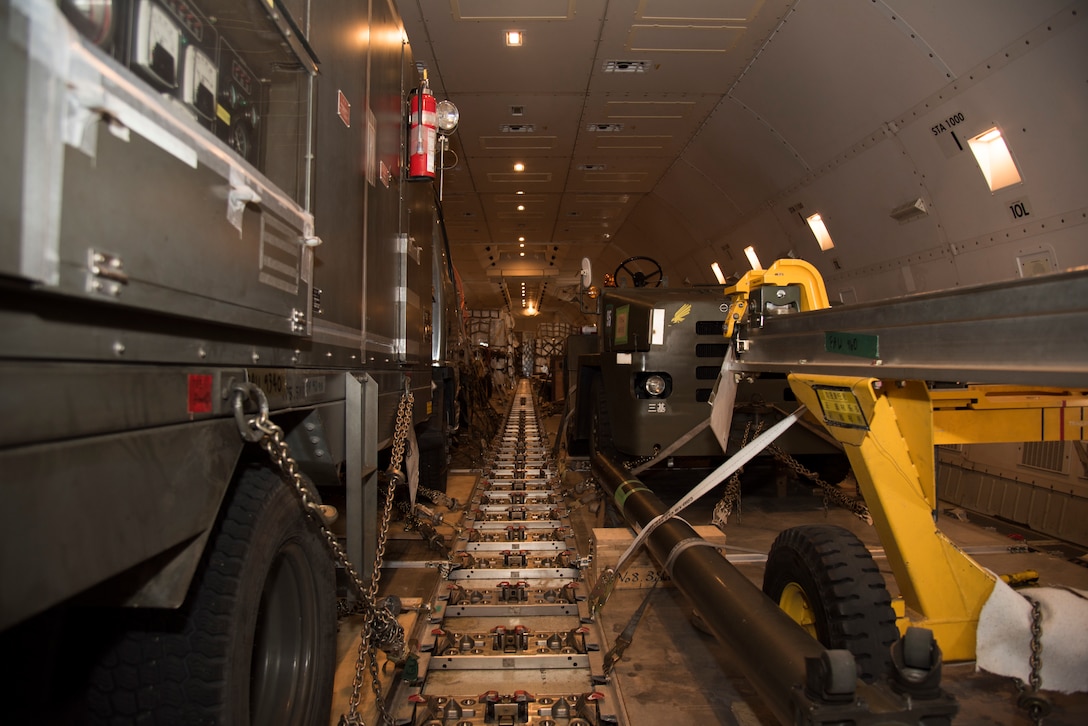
<point x="106" y="273"/>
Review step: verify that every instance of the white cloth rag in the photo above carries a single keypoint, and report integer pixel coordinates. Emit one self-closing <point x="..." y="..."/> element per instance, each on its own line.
<point x="1004" y="636"/>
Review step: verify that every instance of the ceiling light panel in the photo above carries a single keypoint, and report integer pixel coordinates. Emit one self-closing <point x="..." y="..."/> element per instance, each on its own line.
<point x="733" y="11"/>
<point x="684" y="39"/>
<point x="650" y="109"/>
<point x="642" y="143"/>
<point x="501" y="10"/>
<point x="515" y="141"/>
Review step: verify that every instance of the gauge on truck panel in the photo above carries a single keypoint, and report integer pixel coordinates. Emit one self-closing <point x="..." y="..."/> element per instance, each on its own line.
<point x="199" y="82"/>
<point x="158" y="43"/>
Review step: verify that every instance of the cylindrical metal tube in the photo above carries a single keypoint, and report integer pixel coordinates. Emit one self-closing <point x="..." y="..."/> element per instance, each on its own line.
<point x="771" y="645"/>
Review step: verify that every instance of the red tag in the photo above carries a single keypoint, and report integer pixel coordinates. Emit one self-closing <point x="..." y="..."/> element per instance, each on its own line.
<point x="200" y="393"/>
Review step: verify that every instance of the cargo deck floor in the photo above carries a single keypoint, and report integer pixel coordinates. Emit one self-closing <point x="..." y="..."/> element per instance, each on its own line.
<point x="675" y="673"/>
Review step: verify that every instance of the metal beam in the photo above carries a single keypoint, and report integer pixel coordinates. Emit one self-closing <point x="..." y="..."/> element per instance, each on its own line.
<point x="1032" y="331"/>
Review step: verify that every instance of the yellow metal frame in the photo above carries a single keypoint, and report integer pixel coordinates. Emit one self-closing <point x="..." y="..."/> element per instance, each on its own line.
<point x="888" y="429"/>
<point x="781" y="273"/>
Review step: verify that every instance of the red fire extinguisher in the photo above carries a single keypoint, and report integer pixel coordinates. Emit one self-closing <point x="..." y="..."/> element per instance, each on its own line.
<point x="422" y="133"/>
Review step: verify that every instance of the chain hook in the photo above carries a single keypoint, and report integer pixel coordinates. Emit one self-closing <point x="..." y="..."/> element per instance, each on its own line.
<point x="256" y="428"/>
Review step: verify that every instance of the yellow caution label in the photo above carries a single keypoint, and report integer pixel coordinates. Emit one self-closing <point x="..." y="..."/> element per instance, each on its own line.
<point x="841" y="407"/>
<point x="222" y="113"/>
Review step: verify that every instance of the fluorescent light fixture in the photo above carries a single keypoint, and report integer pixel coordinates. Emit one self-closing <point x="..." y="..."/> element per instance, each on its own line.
<point x="519" y="166"/>
<point x="514" y="37"/>
<point x="753" y="260"/>
<point x="718" y="272"/>
<point x="819" y="231"/>
<point x="994" y="159"/>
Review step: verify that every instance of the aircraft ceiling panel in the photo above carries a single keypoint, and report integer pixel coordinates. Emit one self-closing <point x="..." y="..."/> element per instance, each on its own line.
<point x="686" y="46"/>
<point x="706" y="10"/>
<point x="1023" y="99"/>
<point x="833" y="73"/>
<point x="655" y="228"/>
<point x="617" y="174"/>
<point x="496" y="175"/>
<point x="704" y="206"/>
<point x="742" y="156"/>
<point x="519" y="124"/>
<point x="992" y="26"/>
<point x="475" y="57"/>
<point x="884" y="177"/>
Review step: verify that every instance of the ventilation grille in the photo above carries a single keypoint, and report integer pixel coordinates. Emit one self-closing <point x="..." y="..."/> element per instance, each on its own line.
<point x="711" y="350"/>
<point x="709" y="327"/>
<point x="605" y="128"/>
<point x="706" y="373"/>
<point x="627" y="66"/>
<point x="517" y="128"/>
<point x="1045" y="455"/>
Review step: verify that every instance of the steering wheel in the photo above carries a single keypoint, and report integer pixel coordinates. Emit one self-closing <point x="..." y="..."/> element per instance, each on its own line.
<point x="639" y="279"/>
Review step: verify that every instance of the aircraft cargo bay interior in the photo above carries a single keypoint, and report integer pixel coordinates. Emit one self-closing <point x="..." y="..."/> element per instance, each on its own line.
<point x="544" y="362"/>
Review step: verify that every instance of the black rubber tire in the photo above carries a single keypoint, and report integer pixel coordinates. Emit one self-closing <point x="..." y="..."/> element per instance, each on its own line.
<point x="434" y="441"/>
<point x="434" y="456"/>
<point x="850" y="605"/>
<point x="255" y="641"/>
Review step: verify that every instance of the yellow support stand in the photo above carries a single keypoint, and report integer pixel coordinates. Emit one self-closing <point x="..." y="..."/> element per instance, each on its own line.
<point x="887" y="431"/>
<point x="889" y="426"/>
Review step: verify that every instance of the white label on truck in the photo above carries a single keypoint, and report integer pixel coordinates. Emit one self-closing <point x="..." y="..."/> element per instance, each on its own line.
<point x="657" y="327"/>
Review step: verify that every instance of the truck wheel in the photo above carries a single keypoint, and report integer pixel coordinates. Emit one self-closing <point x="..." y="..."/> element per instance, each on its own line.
<point x="254" y="642"/>
<point x="433" y="459"/>
<point x="825" y="579"/>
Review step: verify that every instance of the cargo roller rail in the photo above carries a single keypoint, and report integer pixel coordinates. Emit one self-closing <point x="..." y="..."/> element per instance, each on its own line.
<point x="510" y="639"/>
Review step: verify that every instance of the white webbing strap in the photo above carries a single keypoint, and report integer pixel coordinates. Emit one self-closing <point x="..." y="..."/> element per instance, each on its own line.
<point x="712" y="480"/>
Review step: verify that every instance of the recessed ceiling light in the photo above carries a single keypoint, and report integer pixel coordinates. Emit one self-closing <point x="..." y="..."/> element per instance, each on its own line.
<point x="753" y="260"/>
<point x="521" y="239"/>
<point x="522" y="254"/>
<point x="519" y="166"/>
<point x="521" y="244"/>
<point x="819" y="231"/>
<point x="520" y="192"/>
<point x="521" y="207"/>
<point x="514" y="37"/>
<point x="993" y="157"/>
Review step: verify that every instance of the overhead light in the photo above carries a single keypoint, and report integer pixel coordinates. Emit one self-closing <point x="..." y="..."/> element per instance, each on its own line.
<point x="522" y="254"/>
<point x="717" y="273"/>
<point x="753" y="260"/>
<point x="994" y="159"/>
<point x="519" y="166"/>
<point x="819" y="231"/>
<point x="521" y="244"/>
<point x="519" y="191"/>
<point x="514" y="37"/>
<point x="521" y="239"/>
